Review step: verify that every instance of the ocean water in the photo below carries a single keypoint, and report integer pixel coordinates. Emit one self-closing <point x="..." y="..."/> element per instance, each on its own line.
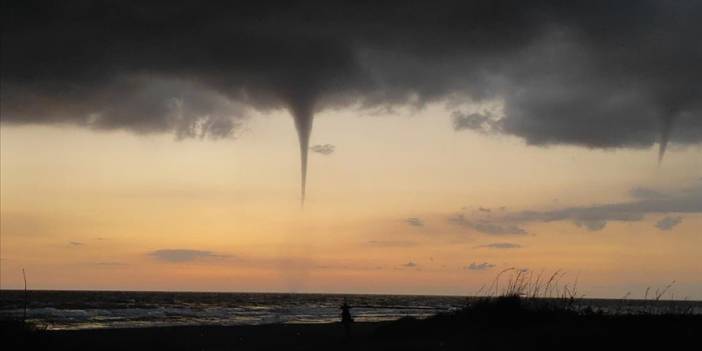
<point x="118" y="309"/>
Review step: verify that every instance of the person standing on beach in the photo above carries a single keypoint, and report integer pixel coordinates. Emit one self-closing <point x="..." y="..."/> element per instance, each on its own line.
<point x="346" y="318"/>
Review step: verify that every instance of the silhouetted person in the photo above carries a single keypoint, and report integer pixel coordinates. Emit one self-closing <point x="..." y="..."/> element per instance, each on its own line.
<point x="346" y="318"/>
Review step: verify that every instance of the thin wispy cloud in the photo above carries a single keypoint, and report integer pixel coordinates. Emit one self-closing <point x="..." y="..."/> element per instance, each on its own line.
<point x="325" y="149"/>
<point x="499" y="246"/>
<point x="486" y="227"/>
<point x="480" y="266"/>
<point x="414" y="221"/>
<point x="643" y="193"/>
<point x="183" y="255"/>
<point x="644" y="202"/>
<point x="591" y="224"/>
<point x="391" y="243"/>
<point x="111" y="264"/>
<point x="668" y="222"/>
<point x="596" y="217"/>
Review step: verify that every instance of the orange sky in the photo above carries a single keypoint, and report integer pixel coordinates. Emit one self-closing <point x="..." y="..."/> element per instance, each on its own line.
<point x="91" y="210"/>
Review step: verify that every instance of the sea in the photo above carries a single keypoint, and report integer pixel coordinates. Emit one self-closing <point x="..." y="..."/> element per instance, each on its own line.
<point x="70" y="310"/>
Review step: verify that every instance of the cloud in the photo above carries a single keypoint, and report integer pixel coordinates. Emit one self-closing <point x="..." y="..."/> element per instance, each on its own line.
<point x="595" y="217"/>
<point x="645" y="193"/>
<point x="595" y="74"/>
<point x="409" y="264"/>
<point x="182" y="255"/>
<point x="399" y="243"/>
<point x="480" y="122"/>
<point x="668" y="222"/>
<point x="480" y="266"/>
<point x="414" y="221"/>
<point x="499" y="246"/>
<point x="487" y="227"/>
<point x="111" y="264"/>
<point x="75" y="243"/>
<point x="326" y="149"/>
<point x="591" y="224"/>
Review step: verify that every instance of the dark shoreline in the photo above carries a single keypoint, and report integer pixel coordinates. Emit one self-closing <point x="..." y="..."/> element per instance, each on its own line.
<point x="241" y="337"/>
<point x="268" y="336"/>
<point x="501" y="323"/>
<point x="548" y="331"/>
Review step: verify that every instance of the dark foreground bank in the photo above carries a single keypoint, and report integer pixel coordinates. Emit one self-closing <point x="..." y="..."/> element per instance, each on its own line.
<point x="500" y="324"/>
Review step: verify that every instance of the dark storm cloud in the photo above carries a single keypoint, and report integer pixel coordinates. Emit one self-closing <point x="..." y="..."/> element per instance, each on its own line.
<point x="479" y="122"/>
<point x="591" y="73"/>
<point x="668" y="222"/>
<point x="325" y="149"/>
<point x="182" y="255"/>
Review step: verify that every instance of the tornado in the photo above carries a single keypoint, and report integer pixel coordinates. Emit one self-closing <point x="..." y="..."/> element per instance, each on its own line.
<point x="666" y="127"/>
<point x="303" y="115"/>
<point x="665" y="137"/>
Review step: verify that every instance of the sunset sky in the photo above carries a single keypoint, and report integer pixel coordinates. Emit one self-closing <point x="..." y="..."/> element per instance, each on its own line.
<point x="542" y="158"/>
<point x="87" y="210"/>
